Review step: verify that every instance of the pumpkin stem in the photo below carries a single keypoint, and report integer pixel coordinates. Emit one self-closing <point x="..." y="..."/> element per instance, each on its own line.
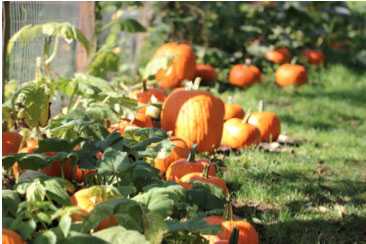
<point x="261" y="106"/>
<point x="192" y="154"/>
<point x="196" y="83"/>
<point x="206" y="168"/>
<point x="228" y="211"/>
<point x="294" y="60"/>
<point x="230" y="99"/>
<point x="144" y="86"/>
<point x="248" y="61"/>
<point x="247" y="116"/>
<point x="234" y="236"/>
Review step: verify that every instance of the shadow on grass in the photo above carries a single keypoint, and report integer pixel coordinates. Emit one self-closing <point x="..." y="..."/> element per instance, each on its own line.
<point x="350" y="229"/>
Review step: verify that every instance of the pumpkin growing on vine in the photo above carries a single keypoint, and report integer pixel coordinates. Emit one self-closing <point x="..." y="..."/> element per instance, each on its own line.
<point x="203" y="177"/>
<point x="244" y="75"/>
<point x="181" y="167"/>
<point x="206" y="72"/>
<point x="11" y="237"/>
<point x="314" y="56"/>
<point x="238" y="133"/>
<point x="195" y="116"/>
<point x="291" y="75"/>
<point x="279" y="55"/>
<point x="179" y="151"/>
<point x="11" y="142"/>
<point x="180" y="64"/>
<point x="233" y="110"/>
<point x="144" y="95"/>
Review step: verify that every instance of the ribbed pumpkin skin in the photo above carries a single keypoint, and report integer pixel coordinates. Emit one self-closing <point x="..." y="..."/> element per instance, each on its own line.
<point x="183" y="65"/>
<point x="314" y="56"/>
<point x="206" y="72"/>
<point x="244" y="75"/>
<point x="145" y="96"/>
<point x="291" y="75"/>
<point x="233" y="110"/>
<point x="179" y="151"/>
<point x="11" y="142"/>
<point x="182" y="167"/>
<point x="268" y="123"/>
<point x="237" y="134"/>
<point x="189" y="178"/>
<point x="247" y="233"/>
<point x="279" y="55"/>
<point x="11" y="237"/>
<point x="194" y="116"/>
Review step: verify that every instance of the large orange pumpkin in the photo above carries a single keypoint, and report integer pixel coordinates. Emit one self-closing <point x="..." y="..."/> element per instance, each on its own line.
<point x="181" y="167"/>
<point x="238" y="133"/>
<point x="244" y="75"/>
<point x="86" y="199"/>
<point x="179" y="151"/>
<point x="291" y="75"/>
<point x="314" y="56"/>
<point x="11" y="142"/>
<point x="206" y="72"/>
<point x="203" y="177"/>
<point x="247" y="233"/>
<point x="11" y="237"/>
<point x="279" y="55"/>
<point x="194" y="116"/>
<point x="182" y="65"/>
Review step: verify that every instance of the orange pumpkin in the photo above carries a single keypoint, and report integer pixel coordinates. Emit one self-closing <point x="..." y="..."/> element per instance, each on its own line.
<point x="182" y="65"/>
<point x="11" y="142"/>
<point x="181" y="167"/>
<point x="247" y="233"/>
<point x="87" y="198"/>
<point x="179" y="151"/>
<point x="244" y="75"/>
<point x="268" y="123"/>
<point x="238" y="133"/>
<point x="194" y="116"/>
<point x="279" y="55"/>
<point x="314" y="56"/>
<point x="203" y="177"/>
<point x="291" y="75"/>
<point x="206" y="72"/>
<point x="11" y="237"/>
<point x="233" y="110"/>
<point x="144" y="96"/>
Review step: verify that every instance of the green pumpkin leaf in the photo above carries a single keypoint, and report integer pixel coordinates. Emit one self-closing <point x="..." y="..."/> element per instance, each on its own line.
<point x="120" y="235"/>
<point x="10" y="201"/>
<point x="65" y="224"/>
<point x="114" y="162"/>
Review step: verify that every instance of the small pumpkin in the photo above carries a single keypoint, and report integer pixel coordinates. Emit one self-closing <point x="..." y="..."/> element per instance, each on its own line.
<point x="291" y="75"/>
<point x="203" y="177"/>
<point x="179" y="151"/>
<point x="87" y="198"/>
<point x="181" y="167"/>
<point x="195" y="116"/>
<point x="139" y="119"/>
<point x="229" y="224"/>
<point x="268" y="124"/>
<point x="144" y="95"/>
<point x="233" y="110"/>
<point x="238" y="133"/>
<point x="11" y="237"/>
<point x="11" y="142"/>
<point x="182" y="65"/>
<point x="244" y="75"/>
<point x="206" y="72"/>
<point x="314" y="56"/>
<point x="279" y="55"/>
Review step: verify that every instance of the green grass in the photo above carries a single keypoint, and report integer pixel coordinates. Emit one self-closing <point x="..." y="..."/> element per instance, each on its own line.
<point x="282" y="193"/>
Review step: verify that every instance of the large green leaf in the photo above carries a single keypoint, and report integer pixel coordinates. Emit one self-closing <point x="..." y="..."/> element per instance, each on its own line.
<point x="52" y="29"/>
<point x="26" y="161"/>
<point x="162" y="200"/>
<point x="114" y="162"/>
<point x="120" y="235"/>
<point x="10" y="201"/>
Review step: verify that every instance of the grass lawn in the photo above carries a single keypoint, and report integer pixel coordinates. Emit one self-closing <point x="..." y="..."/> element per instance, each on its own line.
<point x="317" y="192"/>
